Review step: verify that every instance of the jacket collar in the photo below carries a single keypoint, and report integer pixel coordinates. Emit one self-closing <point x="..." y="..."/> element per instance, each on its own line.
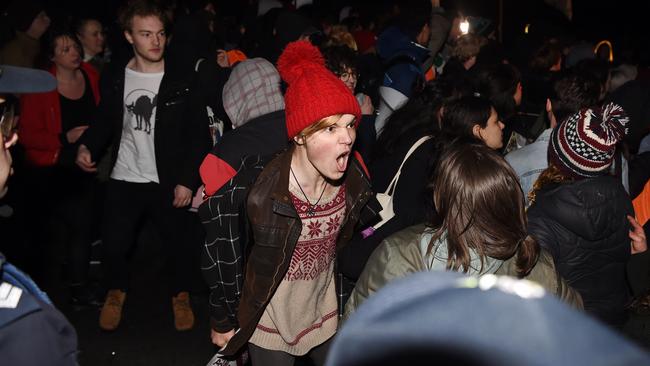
<point x="545" y="136"/>
<point x="280" y="192"/>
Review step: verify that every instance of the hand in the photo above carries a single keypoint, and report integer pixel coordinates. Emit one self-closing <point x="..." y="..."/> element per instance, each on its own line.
<point x="221" y="339"/>
<point x="73" y="135"/>
<point x="637" y="235"/>
<point x="366" y="107"/>
<point x="222" y="58"/>
<point x="182" y="196"/>
<point x="85" y="159"/>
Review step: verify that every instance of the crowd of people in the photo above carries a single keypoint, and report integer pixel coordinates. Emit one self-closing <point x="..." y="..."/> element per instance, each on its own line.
<point x="303" y="161"/>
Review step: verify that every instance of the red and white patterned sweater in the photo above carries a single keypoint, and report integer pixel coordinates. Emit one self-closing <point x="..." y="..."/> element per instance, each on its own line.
<point x="302" y="313"/>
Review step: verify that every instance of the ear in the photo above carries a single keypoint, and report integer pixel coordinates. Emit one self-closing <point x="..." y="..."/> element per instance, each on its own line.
<point x="128" y="36"/>
<point x="299" y="140"/>
<point x="12" y="142"/>
<point x="550" y="114"/>
<point x="470" y="63"/>
<point x="476" y="131"/>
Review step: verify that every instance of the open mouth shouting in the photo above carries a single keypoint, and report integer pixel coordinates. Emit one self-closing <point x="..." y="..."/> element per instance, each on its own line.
<point x="342" y="161"/>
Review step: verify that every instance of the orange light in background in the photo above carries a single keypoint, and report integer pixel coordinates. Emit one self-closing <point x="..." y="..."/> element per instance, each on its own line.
<point x="608" y="44"/>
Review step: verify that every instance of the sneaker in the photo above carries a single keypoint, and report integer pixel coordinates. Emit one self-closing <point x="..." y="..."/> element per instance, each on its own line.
<point x="183" y="316"/>
<point x="111" y="314"/>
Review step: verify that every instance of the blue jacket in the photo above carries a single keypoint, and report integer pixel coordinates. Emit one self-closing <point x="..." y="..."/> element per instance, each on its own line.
<point x="393" y="45"/>
<point x="32" y="331"/>
<point x="530" y="161"/>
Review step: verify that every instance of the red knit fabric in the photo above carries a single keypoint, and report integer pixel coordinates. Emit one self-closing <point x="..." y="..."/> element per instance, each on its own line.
<point x="313" y="91"/>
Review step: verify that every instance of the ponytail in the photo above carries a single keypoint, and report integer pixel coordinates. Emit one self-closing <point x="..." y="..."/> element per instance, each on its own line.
<point x="527" y="255"/>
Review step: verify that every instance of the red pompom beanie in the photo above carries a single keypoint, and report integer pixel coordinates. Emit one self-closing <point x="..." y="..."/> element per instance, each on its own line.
<point x="583" y="145"/>
<point x="313" y="91"/>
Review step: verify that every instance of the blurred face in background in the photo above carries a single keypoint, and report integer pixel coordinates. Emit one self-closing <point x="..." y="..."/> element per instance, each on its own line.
<point x="492" y="133"/>
<point x="349" y="78"/>
<point x="67" y="54"/>
<point x="8" y="138"/>
<point x="92" y="39"/>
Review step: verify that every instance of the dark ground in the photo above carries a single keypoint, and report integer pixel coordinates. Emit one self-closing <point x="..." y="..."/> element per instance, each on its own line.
<point x="146" y="335"/>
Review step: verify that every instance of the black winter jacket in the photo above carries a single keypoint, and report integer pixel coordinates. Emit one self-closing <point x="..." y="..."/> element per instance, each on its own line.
<point x="181" y="137"/>
<point x="584" y="226"/>
<point x="411" y="199"/>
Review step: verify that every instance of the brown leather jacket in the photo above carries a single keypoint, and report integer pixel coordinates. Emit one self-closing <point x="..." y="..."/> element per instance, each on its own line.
<point x="276" y="227"/>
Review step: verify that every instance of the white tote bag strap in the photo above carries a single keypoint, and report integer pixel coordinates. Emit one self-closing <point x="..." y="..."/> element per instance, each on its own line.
<point x="393" y="182"/>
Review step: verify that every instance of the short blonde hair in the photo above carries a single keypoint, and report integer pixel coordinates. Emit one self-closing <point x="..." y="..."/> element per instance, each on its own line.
<point x="319" y="125"/>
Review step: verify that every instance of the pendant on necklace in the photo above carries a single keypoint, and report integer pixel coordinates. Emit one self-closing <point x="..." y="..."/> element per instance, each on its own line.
<point x="310" y="211"/>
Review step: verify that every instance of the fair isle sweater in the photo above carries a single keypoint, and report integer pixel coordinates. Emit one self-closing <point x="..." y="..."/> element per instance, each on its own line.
<point x="302" y="313"/>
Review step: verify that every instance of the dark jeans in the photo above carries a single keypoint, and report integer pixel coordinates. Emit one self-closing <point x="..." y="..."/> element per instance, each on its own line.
<point x="126" y="208"/>
<point x="264" y="357"/>
<point x="74" y="210"/>
<point x="61" y="198"/>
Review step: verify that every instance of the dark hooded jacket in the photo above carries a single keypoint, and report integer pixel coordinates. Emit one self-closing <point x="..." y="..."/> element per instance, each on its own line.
<point x="584" y="226"/>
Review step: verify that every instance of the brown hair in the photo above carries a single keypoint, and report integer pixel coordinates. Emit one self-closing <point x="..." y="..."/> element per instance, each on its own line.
<point x="550" y="175"/>
<point x="340" y="36"/>
<point x="140" y="8"/>
<point x="481" y="207"/>
<point x="467" y="46"/>
<point x="319" y="125"/>
<point x="545" y="57"/>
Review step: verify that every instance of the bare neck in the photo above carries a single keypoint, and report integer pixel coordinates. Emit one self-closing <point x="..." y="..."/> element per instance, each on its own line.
<point x="66" y="75"/>
<point x="89" y="54"/>
<point x="139" y="64"/>
<point x="309" y="179"/>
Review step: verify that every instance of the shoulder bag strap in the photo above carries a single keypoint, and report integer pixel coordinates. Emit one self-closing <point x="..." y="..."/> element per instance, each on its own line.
<point x="393" y="182"/>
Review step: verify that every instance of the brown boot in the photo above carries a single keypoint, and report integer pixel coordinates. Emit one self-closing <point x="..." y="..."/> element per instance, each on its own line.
<point x="111" y="313"/>
<point x="183" y="316"/>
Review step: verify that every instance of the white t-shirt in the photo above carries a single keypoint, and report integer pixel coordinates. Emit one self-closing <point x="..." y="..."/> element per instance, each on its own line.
<point x="136" y="159"/>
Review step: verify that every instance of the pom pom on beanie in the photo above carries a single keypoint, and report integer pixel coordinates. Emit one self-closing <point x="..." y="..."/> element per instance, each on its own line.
<point x="313" y="91"/>
<point x="583" y="145"/>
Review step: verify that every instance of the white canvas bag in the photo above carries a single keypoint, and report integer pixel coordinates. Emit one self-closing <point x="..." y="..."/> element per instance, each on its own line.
<point x="386" y="198"/>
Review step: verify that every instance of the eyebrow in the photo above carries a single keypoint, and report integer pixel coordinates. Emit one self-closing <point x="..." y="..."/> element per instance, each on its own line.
<point x="149" y="31"/>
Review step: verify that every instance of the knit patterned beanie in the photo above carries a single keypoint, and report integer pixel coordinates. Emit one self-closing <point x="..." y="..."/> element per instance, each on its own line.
<point x="313" y="91"/>
<point x="584" y="144"/>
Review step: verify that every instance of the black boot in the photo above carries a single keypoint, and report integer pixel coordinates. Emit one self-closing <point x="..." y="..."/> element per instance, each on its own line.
<point x="86" y="296"/>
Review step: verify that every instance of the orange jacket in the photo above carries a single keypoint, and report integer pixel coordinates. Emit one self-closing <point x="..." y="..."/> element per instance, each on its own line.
<point x="39" y="125"/>
<point x="642" y="205"/>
